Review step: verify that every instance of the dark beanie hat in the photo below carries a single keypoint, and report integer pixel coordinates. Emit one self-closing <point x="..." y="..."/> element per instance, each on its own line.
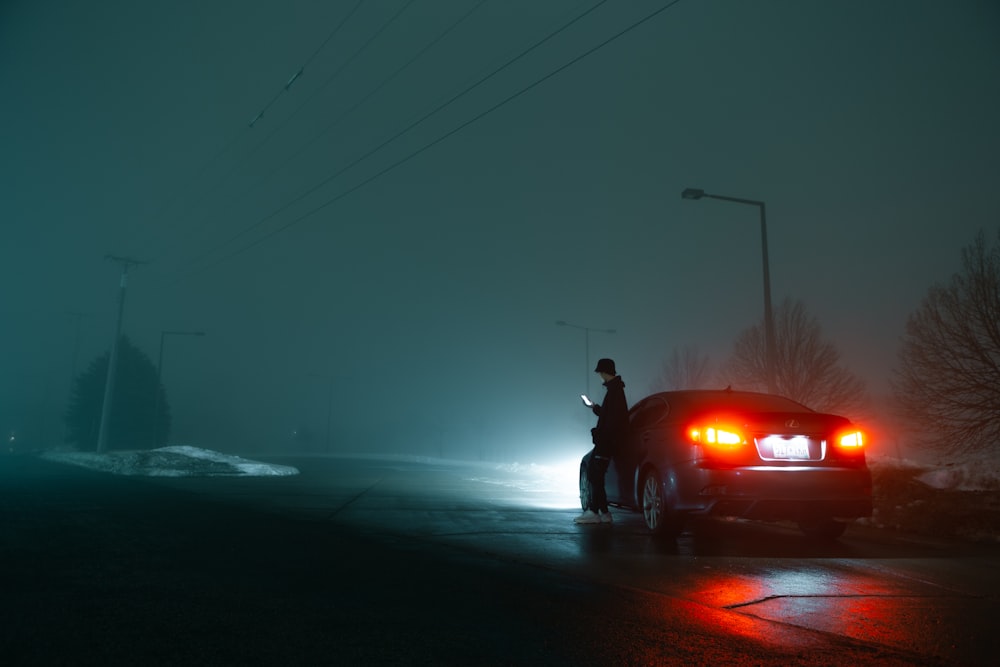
<point x="606" y="366"/>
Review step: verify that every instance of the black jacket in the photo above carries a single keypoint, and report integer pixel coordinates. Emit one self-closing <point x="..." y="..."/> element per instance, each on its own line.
<point x="612" y="419"/>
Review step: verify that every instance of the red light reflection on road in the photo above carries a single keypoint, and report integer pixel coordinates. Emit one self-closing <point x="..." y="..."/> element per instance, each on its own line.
<point x="741" y="625"/>
<point x="721" y="608"/>
<point x="876" y="619"/>
<point x="847" y="604"/>
<point x="710" y="635"/>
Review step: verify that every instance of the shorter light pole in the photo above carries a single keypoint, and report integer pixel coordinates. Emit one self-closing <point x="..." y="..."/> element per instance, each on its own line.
<point x="159" y="375"/>
<point x="586" y="346"/>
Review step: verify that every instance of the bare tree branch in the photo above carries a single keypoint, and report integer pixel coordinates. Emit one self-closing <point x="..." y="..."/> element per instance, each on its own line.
<point x="807" y="368"/>
<point x="685" y="368"/>
<point x="947" y="382"/>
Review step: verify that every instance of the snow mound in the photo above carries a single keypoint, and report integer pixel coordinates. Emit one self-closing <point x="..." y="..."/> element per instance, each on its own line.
<point x="978" y="475"/>
<point x="984" y="476"/>
<point x="173" y="461"/>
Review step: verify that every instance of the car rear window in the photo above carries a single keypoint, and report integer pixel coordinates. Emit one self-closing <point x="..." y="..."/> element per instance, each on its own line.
<point x="686" y="404"/>
<point x="743" y="402"/>
<point x="648" y="412"/>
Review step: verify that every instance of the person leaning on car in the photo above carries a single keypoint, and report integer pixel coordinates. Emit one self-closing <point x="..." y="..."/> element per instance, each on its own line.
<point x="612" y="424"/>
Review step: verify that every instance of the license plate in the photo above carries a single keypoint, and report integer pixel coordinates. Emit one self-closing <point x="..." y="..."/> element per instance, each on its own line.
<point x="791" y="449"/>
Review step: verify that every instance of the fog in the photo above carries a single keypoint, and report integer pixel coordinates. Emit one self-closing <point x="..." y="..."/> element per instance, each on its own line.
<point x="388" y="248"/>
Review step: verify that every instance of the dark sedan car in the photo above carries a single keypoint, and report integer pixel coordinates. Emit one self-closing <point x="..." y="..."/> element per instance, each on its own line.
<point x="738" y="454"/>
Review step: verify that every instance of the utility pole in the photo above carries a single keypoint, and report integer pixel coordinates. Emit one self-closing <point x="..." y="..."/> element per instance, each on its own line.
<point x="109" y="384"/>
<point x="159" y="379"/>
<point x="76" y="353"/>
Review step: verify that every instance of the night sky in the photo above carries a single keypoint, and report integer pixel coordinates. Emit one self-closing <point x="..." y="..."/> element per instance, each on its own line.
<point x="403" y="226"/>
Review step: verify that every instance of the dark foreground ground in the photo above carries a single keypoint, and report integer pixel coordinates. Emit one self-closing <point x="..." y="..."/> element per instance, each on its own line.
<point x="97" y="569"/>
<point x="104" y="570"/>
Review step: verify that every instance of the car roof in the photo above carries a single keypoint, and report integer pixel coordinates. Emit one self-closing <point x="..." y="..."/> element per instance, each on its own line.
<point x="693" y="400"/>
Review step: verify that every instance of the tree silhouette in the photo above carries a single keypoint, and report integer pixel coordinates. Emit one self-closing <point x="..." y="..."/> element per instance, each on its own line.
<point x="807" y="368"/>
<point x="947" y="382"/>
<point x="132" y="410"/>
<point x="685" y="368"/>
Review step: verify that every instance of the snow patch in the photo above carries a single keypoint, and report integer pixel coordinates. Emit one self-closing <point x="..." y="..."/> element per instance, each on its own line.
<point x="984" y="476"/>
<point x="173" y="461"/>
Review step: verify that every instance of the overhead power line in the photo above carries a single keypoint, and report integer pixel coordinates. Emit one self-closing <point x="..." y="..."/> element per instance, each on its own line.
<point x="233" y="167"/>
<point x="333" y="76"/>
<point x="446" y="135"/>
<point x="247" y="129"/>
<point x="427" y="47"/>
<point x="288" y="84"/>
<point x="396" y="136"/>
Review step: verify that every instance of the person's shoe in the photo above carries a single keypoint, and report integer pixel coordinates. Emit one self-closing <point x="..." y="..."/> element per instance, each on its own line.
<point x="590" y="516"/>
<point x="607" y="518"/>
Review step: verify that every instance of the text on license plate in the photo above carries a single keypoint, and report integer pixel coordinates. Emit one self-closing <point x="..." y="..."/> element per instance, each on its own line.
<point x="791" y="449"/>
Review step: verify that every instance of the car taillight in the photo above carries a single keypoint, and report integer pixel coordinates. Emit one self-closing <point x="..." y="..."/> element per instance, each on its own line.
<point x="717" y="437"/>
<point x="851" y="440"/>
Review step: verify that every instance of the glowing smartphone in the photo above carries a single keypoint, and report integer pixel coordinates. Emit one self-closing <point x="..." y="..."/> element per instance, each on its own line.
<point x="586" y="401"/>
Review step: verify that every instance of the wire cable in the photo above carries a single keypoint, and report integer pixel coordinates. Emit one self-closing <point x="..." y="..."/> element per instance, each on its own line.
<point x="396" y="136"/>
<point x="327" y="82"/>
<point x="456" y="130"/>
<point x="335" y="123"/>
<point x="333" y="76"/>
<point x="284" y="89"/>
<point x="247" y="130"/>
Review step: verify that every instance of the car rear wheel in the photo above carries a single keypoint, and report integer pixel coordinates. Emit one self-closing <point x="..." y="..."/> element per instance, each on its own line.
<point x="586" y="491"/>
<point x="823" y="529"/>
<point x="660" y="517"/>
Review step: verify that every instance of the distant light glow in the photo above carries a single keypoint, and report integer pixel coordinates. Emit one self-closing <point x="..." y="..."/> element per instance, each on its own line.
<point x="550" y="486"/>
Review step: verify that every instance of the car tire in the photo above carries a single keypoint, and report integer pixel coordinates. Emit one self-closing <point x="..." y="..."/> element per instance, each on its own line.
<point x="586" y="491"/>
<point x="661" y="519"/>
<point x="824" y="529"/>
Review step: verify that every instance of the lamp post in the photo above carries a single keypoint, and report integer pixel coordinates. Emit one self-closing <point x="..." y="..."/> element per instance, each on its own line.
<point x="159" y="374"/>
<point x="586" y="345"/>
<point x="696" y="193"/>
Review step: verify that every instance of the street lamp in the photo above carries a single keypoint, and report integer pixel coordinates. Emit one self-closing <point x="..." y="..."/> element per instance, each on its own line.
<point x="697" y="193"/>
<point x="586" y="345"/>
<point x="159" y="374"/>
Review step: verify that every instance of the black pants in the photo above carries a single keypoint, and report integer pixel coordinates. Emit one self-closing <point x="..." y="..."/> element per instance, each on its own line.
<point x="596" y="470"/>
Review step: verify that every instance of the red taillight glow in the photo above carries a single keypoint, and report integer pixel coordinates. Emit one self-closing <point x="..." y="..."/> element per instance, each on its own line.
<point x="718" y="436"/>
<point x="852" y="440"/>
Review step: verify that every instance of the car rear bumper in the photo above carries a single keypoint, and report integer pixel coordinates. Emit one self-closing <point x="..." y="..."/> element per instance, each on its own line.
<point x="770" y="494"/>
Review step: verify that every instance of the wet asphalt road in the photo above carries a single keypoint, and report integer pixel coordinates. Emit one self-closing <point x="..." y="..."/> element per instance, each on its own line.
<point x="362" y="563"/>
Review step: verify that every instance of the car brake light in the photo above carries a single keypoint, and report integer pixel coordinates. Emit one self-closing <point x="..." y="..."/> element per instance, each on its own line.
<point x="720" y="437"/>
<point x="852" y="440"/>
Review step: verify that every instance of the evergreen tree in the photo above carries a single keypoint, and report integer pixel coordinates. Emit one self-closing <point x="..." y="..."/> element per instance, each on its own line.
<point x="133" y="408"/>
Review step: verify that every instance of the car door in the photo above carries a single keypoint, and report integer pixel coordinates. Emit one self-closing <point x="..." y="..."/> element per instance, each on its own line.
<point x="632" y="452"/>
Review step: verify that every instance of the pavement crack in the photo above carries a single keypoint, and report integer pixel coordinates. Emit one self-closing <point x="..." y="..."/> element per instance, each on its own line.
<point x="332" y="515"/>
<point x="858" y="596"/>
